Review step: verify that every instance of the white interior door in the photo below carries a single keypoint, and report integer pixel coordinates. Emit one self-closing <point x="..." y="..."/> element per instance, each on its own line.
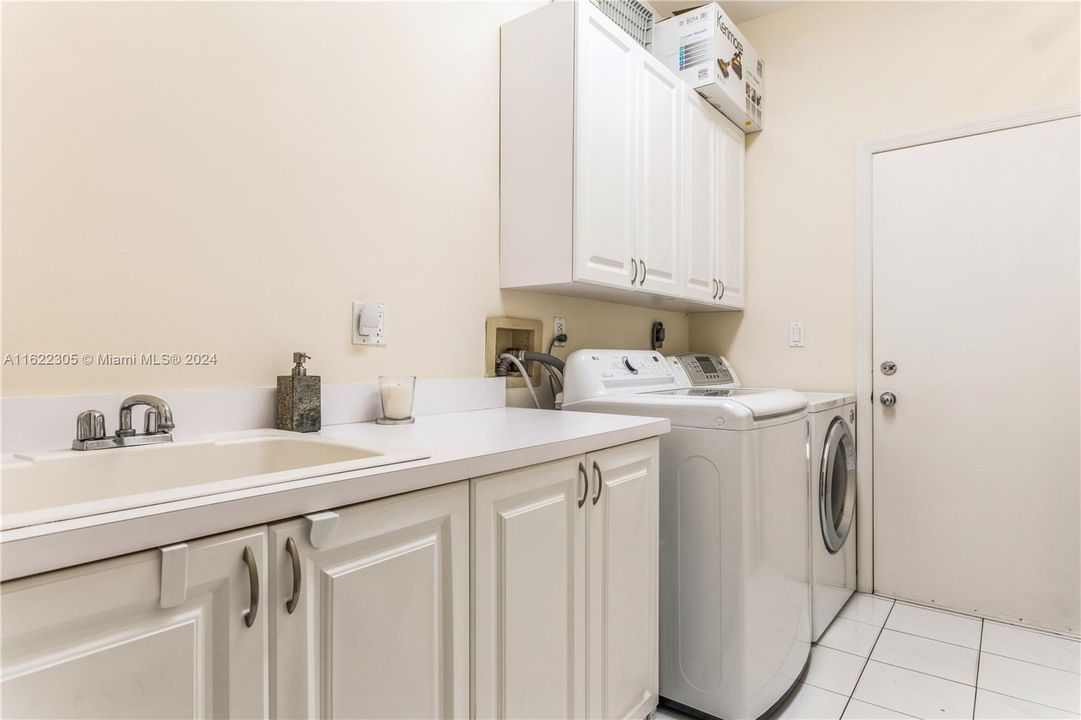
<point x="604" y="186"/>
<point x="976" y="300"/>
<point x="660" y="181"/>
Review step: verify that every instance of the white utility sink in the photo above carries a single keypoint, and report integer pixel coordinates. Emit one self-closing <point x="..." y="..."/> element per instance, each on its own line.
<point x="46" y="487"/>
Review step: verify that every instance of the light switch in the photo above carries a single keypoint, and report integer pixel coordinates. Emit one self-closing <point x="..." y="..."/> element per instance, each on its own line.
<point x="796" y="335"/>
<point x="369" y="324"/>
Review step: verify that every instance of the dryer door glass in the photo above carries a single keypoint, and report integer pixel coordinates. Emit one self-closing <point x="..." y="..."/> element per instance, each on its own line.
<point x="837" y="485"/>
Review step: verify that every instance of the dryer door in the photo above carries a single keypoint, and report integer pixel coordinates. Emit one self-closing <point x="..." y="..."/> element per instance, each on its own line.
<point x="837" y="485"/>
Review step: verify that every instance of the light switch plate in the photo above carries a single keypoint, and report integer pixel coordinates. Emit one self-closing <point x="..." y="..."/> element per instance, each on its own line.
<point x="369" y="324"/>
<point x="796" y="334"/>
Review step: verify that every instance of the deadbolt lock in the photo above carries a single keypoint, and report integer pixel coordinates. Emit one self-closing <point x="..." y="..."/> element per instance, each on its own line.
<point x="889" y="367"/>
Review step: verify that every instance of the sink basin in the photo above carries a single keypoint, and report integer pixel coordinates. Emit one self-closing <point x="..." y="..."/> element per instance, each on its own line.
<point x="47" y="487"/>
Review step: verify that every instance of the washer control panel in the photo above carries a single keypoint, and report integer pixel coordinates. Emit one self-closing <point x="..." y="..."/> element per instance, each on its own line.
<point x="705" y="369"/>
<point x="593" y="373"/>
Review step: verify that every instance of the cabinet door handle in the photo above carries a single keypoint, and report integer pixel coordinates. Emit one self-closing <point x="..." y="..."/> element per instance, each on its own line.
<point x="634" y="265"/>
<point x="714" y="288"/>
<point x="721" y="283"/>
<point x="253" y="581"/>
<point x="600" y="481"/>
<point x="644" y="270"/>
<point x="585" y="484"/>
<point x="294" y="556"/>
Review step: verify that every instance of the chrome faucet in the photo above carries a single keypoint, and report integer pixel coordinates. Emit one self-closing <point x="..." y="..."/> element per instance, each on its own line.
<point x="157" y="424"/>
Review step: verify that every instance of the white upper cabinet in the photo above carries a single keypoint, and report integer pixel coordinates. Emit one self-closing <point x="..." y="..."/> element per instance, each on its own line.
<point x="660" y="178"/>
<point x="702" y="199"/>
<point x="730" y="261"/>
<point x="611" y="179"/>
<point x="95" y="641"/>
<point x="604" y="173"/>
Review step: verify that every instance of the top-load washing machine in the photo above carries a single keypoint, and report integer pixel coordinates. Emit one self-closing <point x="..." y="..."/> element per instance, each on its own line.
<point x="832" y="499"/>
<point x="735" y="622"/>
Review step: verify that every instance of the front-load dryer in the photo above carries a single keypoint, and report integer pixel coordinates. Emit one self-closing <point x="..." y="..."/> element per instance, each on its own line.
<point x="833" y="505"/>
<point x="832" y="484"/>
<point x="734" y="565"/>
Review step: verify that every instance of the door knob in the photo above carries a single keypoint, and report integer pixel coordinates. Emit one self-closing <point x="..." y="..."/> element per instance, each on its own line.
<point x="887" y="399"/>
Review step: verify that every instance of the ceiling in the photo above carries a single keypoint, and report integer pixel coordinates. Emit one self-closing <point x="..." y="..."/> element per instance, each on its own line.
<point x="739" y="10"/>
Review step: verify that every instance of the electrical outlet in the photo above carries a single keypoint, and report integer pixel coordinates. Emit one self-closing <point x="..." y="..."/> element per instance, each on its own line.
<point x="369" y="324"/>
<point x="559" y="327"/>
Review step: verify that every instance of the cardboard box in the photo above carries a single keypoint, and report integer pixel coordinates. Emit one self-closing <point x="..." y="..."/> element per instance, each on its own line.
<point x="711" y="55"/>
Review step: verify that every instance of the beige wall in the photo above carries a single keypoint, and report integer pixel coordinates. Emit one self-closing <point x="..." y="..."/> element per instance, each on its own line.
<point x="228" y="178"/>
<point x="838" y="74"/>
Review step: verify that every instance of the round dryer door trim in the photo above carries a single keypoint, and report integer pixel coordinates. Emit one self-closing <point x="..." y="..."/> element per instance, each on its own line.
<point x="838" y="465"/>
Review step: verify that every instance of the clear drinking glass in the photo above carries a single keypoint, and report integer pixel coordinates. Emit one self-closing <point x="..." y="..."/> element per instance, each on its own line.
<point x="396" y="395"/>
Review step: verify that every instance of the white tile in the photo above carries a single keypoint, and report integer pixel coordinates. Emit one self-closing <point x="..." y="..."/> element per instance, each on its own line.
<point x="851" y="636"/>
<point x="1031" y="646"/>
<point x="834" y="670"/>
<point x="914" y="693"/>
<point x="859" y="710"/>
<point x="933" y="657"/>
<point x="812" y="703"/>
<point x="993" y="706"/>
<point x="867" y="609"/>
<point x="1028" y="681"/>
<point x="935" y="624"/>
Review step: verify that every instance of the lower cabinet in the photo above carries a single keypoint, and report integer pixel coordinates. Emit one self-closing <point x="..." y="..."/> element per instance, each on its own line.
<point x="94" y="641"/>
<point x="365" y="612"/>
<point x="565" y="563"/>
<point x="373" y="620"/>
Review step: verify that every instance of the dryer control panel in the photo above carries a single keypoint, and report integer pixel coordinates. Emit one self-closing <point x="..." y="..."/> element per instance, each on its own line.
<point x="702" y="369"/>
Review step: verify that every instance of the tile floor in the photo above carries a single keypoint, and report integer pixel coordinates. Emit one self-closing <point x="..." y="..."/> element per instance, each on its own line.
<point x="886" y="659"/>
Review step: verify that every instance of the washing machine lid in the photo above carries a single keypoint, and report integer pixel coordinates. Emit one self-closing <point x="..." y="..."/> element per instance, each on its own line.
<point x="714" y="408"/>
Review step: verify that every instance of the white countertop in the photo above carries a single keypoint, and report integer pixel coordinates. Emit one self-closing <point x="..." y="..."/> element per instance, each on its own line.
<point x="459" y="445"/>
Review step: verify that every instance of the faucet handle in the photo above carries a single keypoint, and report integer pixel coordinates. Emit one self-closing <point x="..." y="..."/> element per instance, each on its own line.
<point x="90" y="425"/>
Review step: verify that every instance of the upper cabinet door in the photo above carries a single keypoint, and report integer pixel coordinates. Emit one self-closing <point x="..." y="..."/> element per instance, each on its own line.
<point x="660" y="177"/>
<point x="623" y="569"/>
<point x="380" y="625"/>
<point x="702" y="202"/>
<point x="730" y="263"/>
<point x="95" y="642"/>
<point x="604" y="172"/>
<point x="529" y="592"/>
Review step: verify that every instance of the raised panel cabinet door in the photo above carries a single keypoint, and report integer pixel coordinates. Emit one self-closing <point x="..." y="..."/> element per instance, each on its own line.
<point x="380" y="625"/>
<point x="660" y="178"/>
<point x="94" y="642"/>
<point x="623" y="545"/>
<point x="529" y="592"/>
<point x="604" y="158"/>
<point x="730" y="264"/>
<point x="701" y="200"/>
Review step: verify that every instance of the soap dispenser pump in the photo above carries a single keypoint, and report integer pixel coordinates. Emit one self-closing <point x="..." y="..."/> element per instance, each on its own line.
<point x="299" y="398"/>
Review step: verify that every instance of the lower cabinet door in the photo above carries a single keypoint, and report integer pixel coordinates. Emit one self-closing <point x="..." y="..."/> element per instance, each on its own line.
<point x="94" y="642"/>
<point x="380" y="624"/>
<point x="623" y="575"/>
<point x="529" y="592"/>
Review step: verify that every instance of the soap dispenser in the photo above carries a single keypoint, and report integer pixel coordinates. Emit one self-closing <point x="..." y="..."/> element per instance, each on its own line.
<point x="299" y="398"/>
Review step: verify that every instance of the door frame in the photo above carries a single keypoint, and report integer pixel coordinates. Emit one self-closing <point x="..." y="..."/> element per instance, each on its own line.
<point x="865" y="153"/>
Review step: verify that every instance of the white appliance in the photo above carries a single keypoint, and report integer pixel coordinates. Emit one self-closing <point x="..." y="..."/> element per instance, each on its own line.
<point x="709" y="53"/>
<point x="832" y="489"/>
<point x="833" y="505"/>
<point x="735" y="627"/>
